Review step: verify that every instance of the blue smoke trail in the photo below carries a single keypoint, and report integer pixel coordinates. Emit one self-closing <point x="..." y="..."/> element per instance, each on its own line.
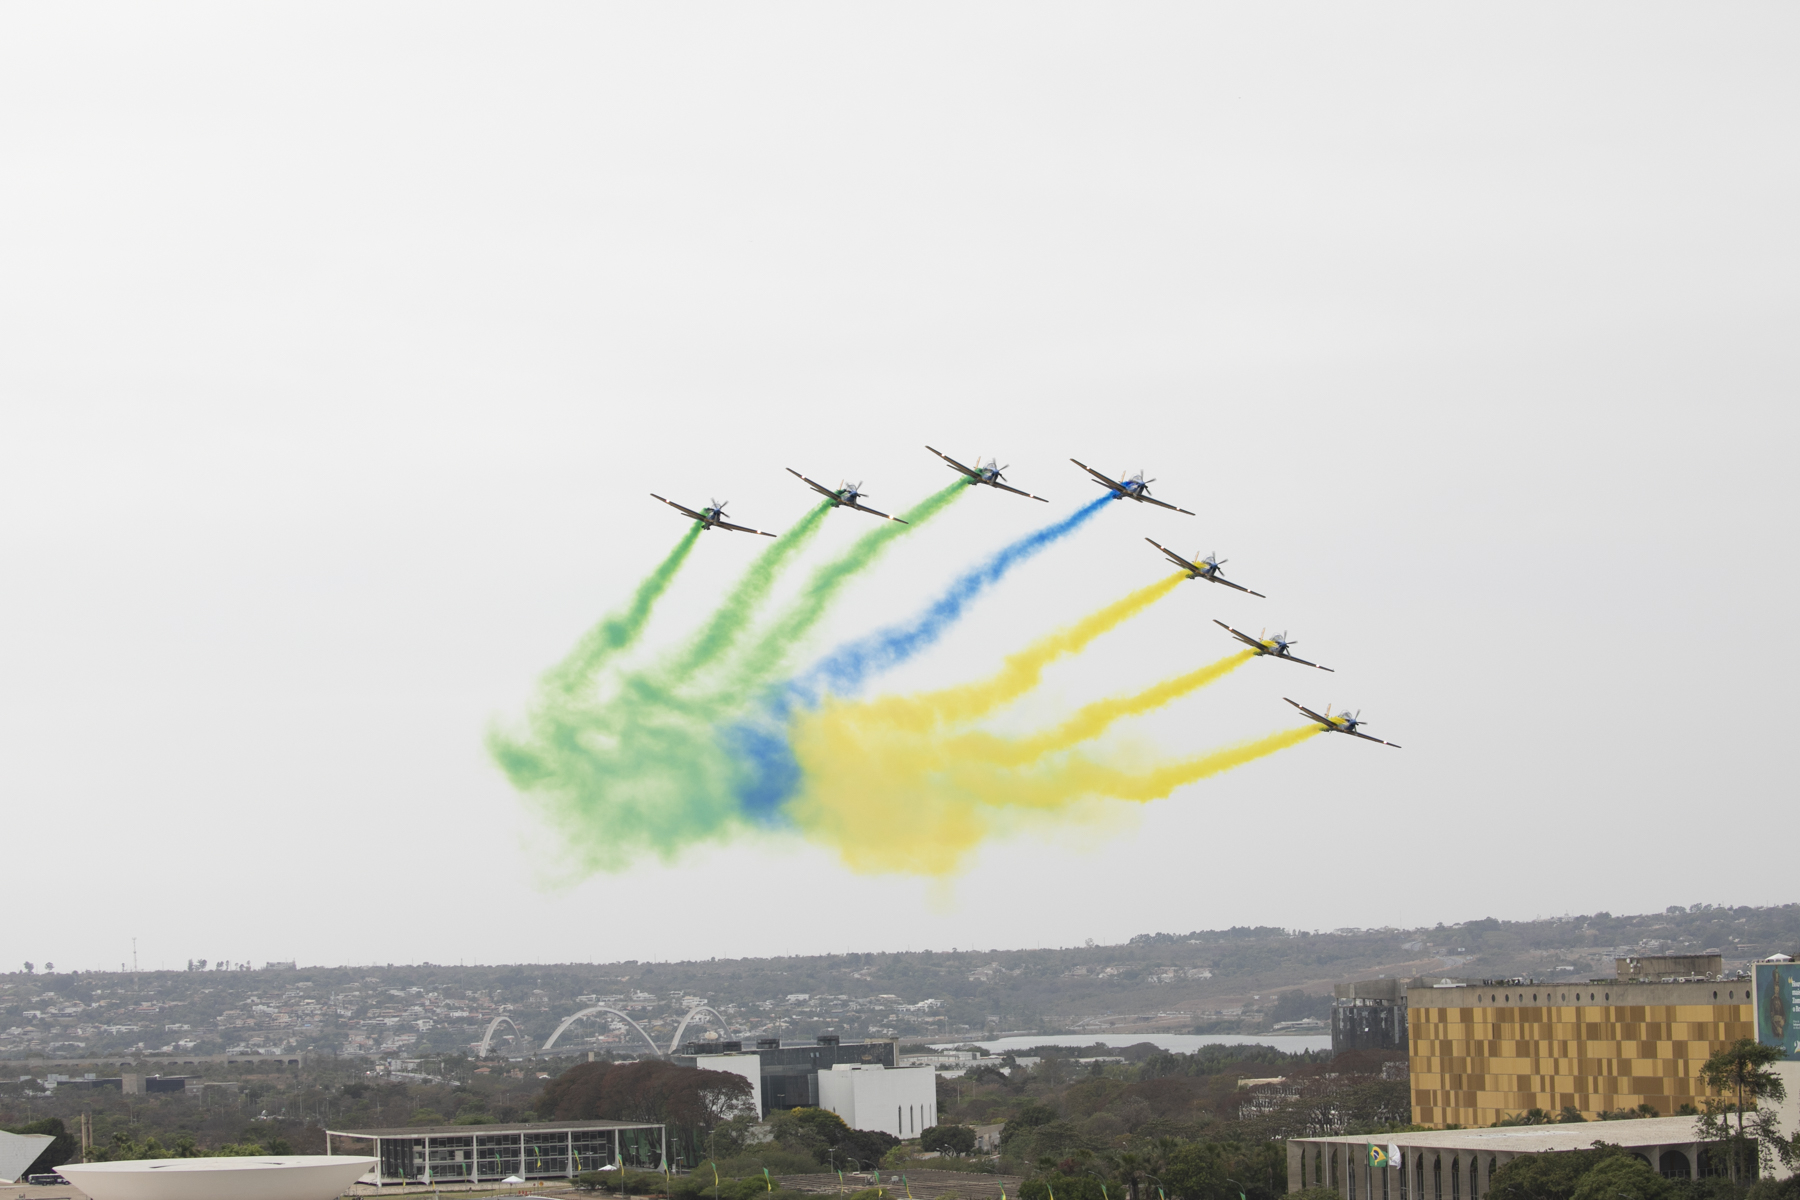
<point x="759" y="743"/>
<point x="846" y="668"/>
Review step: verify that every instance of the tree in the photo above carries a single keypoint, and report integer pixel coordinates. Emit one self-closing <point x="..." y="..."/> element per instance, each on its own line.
<point x="1531" y="1116"/>
<point x="1621" y="1176"/>
<point x="1131" y="1169"/>
<point x="1552" y="1176"/>
<point x="1742" y="1071"/>
<point x="1227" y="1170"/>
<point x="950" y="1139"/>
<point x="650" y="1090"/>
<point x="824" y="1135"/>
<point x="1031" y="1114"/>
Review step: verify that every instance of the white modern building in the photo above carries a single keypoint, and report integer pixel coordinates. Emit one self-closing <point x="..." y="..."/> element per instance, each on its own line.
<point x="18" y="1151"/>
<point x="481" y="1153"/>
<point x="284" y="1177"/>
<point x="897" y="1100"/>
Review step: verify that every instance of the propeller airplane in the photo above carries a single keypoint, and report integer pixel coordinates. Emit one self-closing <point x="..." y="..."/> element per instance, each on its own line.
<point x="711" y="517"/>
<point x="990" y="474"/>
<point x="1344" y="722"/>
<point x="1207" y="568"/>
<point x="844" y="496"/>
<point x="1274" y="647"/>
<point x="1136" y="488"/>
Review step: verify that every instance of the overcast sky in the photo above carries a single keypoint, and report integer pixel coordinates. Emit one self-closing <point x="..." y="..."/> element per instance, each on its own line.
<point x="340" y="345"/>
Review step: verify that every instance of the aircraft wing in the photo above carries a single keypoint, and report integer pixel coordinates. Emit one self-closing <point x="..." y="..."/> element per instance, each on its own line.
<point x="873" y="512"/>
<point x="1114" y="484"/>
<point x="813" y="484"/>
<point x="1217" y="578"/>
<point x="1301" y="661"/>
<point x="684" y="508"/>
<point x="1365" y="737"/>
<point x="1007" y="487"/>
<point x="1243" y="637"/>
<point x="1176" y="557"/>
<point x="1159" y="503"/>
<point x="954" y="463"/>
<point x="741" y="528"/>
<point x="1325" y="721"/>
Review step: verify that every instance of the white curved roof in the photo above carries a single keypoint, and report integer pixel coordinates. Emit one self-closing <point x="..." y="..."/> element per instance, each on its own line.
<point x="265" y="1177"/>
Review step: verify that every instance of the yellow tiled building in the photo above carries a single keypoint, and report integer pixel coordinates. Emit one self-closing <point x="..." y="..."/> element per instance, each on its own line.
<point x="1482" y="1053"/>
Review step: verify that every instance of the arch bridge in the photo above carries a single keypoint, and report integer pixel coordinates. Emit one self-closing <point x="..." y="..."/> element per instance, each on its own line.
<point x="674" y="1041"/>
<point x="601" y="1008"/>
<point x="487" y="1039"/>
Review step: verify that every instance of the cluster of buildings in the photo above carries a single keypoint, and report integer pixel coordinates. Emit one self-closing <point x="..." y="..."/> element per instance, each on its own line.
<point x="128" y="1020"/>
<point x="1627" y="1050"/>
<point x="864" y="1082"/>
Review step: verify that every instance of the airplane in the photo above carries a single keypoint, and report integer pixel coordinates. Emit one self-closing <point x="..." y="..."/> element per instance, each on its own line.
<point x="1342" y="723"/>
<point x="989" y="474"/>
<point x="712" y="517"/>
<point x="1207" y="568"/>
<point x="845" y="495"/>
<point x="1275" y="647"/>
<point x="1137" y="487"/>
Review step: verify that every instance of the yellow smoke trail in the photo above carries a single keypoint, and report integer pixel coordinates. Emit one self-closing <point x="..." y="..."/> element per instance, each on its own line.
<point x="1092" y="720"/>
<point x="1018" y="675"/>
<point x="901" y="802"/>
<point x="894" y="786"/>
<point x="1054" y="785"/>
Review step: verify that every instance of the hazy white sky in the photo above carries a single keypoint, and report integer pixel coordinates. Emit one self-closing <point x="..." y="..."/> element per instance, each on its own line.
<point x="339" y="348"/>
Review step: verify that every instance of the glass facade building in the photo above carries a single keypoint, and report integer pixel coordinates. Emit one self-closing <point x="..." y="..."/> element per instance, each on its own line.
<point x="474" y="1153"/>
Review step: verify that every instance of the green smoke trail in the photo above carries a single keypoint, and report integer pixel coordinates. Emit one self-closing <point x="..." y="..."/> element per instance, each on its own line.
<point x="639" y="774"/>
<point x="766" y="656"/>
<point x="617" y="632"/>
<point x="733" y="615"/>
<point x="643" y="770"/>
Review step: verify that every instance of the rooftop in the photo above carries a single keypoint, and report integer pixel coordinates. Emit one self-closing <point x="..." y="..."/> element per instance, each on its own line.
<point x="1534" y="1139"/>
<point x="473" y="1130"/>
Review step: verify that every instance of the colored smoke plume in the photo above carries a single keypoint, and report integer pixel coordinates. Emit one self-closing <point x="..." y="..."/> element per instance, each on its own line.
<point x="735" y="613"/>
<point x="764" y="742"/>
<point x="1093" y="719"/>
<point x="897" y="783"/>
<point x="616" y="633"/>
<point x="916" y="805"/>
<point x="1018" y="675"/>
<point x="845" y="668"/>
<point x="627" y="763"/>
<point x="771" y="650"/>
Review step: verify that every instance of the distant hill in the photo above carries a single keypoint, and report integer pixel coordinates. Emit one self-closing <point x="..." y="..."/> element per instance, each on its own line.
<point x="1206" y="980"/>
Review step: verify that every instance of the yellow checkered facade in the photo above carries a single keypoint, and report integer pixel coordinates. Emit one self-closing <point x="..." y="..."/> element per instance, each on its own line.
<point x="1482" y="1054"/>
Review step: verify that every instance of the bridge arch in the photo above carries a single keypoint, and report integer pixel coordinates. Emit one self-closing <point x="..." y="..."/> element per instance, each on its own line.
<point x="601" y="1008"/>
<point x="675" y="1042"/>
<point x="487" y="1039"/>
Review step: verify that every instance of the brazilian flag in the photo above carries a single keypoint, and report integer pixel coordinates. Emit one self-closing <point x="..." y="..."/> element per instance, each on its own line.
<point x="1378" y="1157"/>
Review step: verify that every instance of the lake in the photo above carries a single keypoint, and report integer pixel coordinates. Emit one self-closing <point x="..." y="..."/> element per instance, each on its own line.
<point x="1186" y="1043"/>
